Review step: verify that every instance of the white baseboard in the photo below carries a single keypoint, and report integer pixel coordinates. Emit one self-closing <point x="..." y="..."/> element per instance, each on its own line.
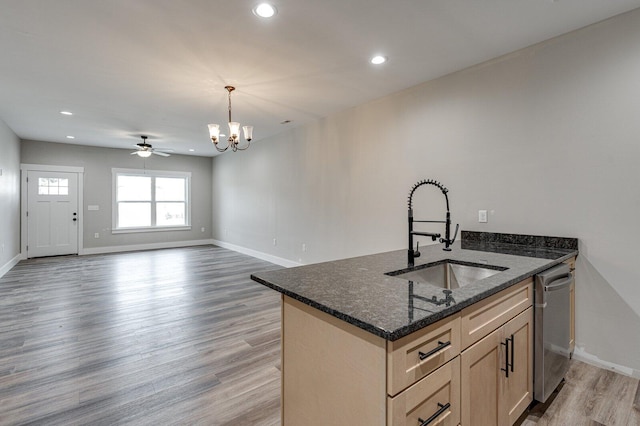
<point x="588" y="358"/>
<point x="138" y="247"/>
<point x="258" y="254"/>
<point x="10" y="264"/>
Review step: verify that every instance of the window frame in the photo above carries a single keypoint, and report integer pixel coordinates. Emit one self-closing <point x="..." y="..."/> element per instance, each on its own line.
<point x="153" y="174"/>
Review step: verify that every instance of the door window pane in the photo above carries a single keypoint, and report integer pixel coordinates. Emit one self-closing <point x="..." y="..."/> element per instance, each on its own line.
<point x="134" y="188"/>
<point x="170" y="214"/>
<point x="170" y="189"/>
<point x="131" y="215"/>
<point x="53" y="186"/>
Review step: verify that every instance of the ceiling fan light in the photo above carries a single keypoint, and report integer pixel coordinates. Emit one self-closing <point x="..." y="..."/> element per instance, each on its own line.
<point x="234" y="130"/>
<point x="214" y="132"/>
<point x="144" y="153"/>
<point x="248" y="132"/>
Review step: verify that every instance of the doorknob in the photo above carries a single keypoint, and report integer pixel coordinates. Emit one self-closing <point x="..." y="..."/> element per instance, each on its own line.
<point x="75" y="218"/>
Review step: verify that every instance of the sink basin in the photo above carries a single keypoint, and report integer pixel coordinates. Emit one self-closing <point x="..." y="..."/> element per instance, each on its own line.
<point x="447" y="274"/>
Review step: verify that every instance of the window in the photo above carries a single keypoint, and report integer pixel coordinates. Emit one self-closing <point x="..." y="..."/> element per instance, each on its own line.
<point x="53" y="186"/>
<point x="150" y="200"/>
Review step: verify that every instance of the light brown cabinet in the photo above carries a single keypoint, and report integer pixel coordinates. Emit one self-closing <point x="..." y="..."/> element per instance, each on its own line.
<point x="434" y="397"/>
<point x="497" y="374"/>
<point x="572" y="305"/>
<point x="449" y="371"/>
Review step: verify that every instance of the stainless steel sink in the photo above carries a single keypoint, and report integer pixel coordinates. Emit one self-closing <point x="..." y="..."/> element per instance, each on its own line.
<point x="448" y="274"/>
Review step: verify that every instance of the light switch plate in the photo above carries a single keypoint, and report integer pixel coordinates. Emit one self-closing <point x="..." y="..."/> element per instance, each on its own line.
<point x="482" y="216"/>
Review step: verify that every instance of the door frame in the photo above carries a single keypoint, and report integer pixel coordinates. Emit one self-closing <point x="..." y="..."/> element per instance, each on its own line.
<point x="24" y="169"/>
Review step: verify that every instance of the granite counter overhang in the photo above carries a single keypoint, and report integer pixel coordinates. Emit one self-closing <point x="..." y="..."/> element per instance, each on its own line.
<point x="357" y="291"/>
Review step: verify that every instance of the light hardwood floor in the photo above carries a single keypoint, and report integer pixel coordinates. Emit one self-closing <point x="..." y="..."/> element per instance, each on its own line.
<point x="179" y="336"/>
<point x="182" y="336"/>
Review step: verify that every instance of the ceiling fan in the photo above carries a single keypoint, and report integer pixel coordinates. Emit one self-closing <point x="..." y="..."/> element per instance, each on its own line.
<point x="145" y="149"/>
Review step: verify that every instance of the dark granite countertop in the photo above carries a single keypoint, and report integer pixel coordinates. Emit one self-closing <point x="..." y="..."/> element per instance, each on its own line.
<point x="357" y="290"/>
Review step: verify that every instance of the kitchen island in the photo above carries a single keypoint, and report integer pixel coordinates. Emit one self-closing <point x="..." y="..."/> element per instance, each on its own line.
<point x="363" y="347"/>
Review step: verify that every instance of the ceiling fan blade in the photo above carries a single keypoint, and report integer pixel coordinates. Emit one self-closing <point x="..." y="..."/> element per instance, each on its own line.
<point x="160" y="153"/>
<point x="164" y="149"/>
<point x="134" y="153"/>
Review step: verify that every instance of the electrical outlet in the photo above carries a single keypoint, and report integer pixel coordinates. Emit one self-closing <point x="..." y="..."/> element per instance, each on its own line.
<point x="202" y="229"/>
<point x="482" y="216"/>
<point x="96" y="235"/>
<point x="275" y="242"/>
<point x="304" y="247"/>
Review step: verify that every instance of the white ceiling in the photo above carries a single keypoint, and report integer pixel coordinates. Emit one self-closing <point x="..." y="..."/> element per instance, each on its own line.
<point x="159" y="67"/>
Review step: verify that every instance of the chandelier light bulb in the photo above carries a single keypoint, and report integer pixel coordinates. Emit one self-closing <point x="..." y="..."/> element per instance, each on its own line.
<point x="234" y="130"/>
<point x="214" y="132"/>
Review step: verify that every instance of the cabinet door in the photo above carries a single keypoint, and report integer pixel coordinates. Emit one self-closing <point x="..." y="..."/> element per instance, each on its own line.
<point x="518" y="387"/>
<point x="497" y="374"/>
<point x="481" y="382"/>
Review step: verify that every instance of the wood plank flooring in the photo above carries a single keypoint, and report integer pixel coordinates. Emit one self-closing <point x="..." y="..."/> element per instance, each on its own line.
<point x="590" y="396"/>
<point x="183" y="336"/>
<point x="178" y="336"/>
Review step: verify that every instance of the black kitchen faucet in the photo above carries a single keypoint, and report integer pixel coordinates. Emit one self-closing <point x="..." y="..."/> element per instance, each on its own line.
<point x="412" y="254"/>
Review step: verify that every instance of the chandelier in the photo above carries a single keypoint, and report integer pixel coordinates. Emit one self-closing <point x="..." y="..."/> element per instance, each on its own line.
<point x="234" y="131"/>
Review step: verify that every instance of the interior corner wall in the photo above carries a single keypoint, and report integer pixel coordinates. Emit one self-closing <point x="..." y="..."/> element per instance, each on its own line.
<point x="97" y="163"/>
<point x="547" y="139"/>
<point x="9" y="196"/>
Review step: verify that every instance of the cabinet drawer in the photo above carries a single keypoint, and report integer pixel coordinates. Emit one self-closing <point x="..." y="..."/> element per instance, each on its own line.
<point x="480" y="319"/>
<point x="436" y="395"/>
<point x="414" y="356"/>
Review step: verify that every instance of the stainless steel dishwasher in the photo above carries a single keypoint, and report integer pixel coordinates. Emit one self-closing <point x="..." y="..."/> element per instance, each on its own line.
<point x="552" y="322"/>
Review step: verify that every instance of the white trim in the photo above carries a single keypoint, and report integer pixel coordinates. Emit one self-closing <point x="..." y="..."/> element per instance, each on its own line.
<point x="10" y="264"/>
<point x="581" y="355"/>
<point x="45" y="168"/>
<point x="258" y="254"/>
<point x="158" y="229"/>
<point x="150" y="246"/>
<point x="24" y="170"/>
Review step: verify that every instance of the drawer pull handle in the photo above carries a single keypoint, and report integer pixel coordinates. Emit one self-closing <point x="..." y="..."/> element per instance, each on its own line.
<point x="508" y="365"/>
<point x="441" y="346"/>
<point x="512" y="353"/>
<point x="435" y="415"/>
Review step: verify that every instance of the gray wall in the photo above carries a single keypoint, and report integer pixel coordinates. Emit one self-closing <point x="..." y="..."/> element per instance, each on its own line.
<point x="547" y="139"/>
<point x="98" y="162"/>
<point x="9" y="195"/>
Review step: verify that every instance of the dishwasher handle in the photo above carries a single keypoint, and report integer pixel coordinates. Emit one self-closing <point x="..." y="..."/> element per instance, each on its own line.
<point x="560" y="283"/>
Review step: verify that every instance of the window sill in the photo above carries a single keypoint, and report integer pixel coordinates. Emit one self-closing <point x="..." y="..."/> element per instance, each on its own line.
<point x="148" y="229"/>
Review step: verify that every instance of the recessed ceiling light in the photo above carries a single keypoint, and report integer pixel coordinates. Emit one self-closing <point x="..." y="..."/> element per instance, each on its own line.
<point x="71" y="137"/>
<point x="378" y="59"/>
<point x="265" y="10"/>
<point x="66" y="113"/>
<point x="191" y="150"/>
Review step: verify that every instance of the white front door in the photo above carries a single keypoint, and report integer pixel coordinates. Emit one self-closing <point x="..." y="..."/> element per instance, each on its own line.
<point x="52" y="213"/>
